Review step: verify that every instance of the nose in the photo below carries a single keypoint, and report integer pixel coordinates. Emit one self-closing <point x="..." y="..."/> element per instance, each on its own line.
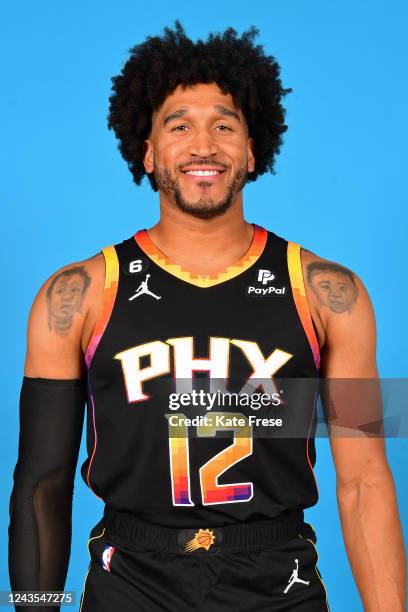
<point x="203" y="144"/>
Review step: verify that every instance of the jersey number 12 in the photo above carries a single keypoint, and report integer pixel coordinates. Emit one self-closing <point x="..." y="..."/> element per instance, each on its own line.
<point x="211" y="491"/>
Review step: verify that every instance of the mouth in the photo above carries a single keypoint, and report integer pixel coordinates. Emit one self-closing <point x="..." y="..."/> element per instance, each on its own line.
<point x="209" y="174"/>
<point x="203" y="172"/>
<point x="206" y="171"/>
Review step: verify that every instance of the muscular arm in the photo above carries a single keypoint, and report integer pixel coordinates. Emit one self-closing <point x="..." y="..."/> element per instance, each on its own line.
<point x="367" y="503"/>
<point x="52" y="403"/>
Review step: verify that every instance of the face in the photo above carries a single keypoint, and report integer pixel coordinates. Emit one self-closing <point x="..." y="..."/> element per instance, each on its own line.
<point x="199" y="150"/>
<point x="66" y="295"/>
<point x="334" y="289"/>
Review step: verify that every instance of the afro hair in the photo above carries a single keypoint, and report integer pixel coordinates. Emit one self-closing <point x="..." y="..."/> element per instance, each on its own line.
<point x="157" y="66"/>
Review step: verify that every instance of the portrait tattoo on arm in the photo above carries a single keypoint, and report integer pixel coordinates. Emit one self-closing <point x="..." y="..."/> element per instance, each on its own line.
<point x="333" y="285"/>
<point x="65" y="297"/>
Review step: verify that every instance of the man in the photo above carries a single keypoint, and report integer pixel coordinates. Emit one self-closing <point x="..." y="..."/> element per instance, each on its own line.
<point x="193" y="520"/>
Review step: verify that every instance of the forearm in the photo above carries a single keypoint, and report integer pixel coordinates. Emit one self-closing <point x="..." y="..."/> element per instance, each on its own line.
<point x="373" y="540"/>
<point x="51" y="417"/>
<point x="40" y="532"/>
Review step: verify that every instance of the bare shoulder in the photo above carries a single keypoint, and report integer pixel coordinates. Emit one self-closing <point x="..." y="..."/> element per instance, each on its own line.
<point x="62" y="317"/>
<point x="337" y="297"/>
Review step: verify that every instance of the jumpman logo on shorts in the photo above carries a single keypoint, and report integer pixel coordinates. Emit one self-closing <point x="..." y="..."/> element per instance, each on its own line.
<point x="142" y="288"/>
<point x="294" y="577"/>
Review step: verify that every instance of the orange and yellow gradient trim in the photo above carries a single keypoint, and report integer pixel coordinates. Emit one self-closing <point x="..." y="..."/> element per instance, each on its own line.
<point x="299" y="295"/>
<point x="89" y="567"/>
<point x="246" y="261"/>
<point x="108" y="299"/>
<point x="316" y="570"/>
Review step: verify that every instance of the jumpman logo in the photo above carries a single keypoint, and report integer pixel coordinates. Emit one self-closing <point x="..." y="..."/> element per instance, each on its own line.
<point x="294" y="577"/>
<point x="142" y="288"/>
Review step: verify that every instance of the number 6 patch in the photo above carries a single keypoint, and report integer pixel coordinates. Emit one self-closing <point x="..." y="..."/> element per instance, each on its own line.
<point x="135" y="266"/>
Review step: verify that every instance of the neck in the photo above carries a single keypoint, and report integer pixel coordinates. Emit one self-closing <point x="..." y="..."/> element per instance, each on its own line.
<point x="202" y="246"/>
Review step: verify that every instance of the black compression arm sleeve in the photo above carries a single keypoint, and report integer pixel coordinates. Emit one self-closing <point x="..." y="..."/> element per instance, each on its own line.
<point x="51" y="420"/>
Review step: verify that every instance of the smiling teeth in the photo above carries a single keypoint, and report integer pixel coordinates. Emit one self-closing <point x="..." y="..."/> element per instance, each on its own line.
<point x="203" y="172"/>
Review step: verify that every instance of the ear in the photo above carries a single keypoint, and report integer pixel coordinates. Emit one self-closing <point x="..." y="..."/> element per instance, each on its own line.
<point x="148" y="156"/>
<point x="250" y="155"/>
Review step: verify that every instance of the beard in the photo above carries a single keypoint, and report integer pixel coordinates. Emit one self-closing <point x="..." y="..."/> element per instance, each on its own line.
<point x="205" y="207"/>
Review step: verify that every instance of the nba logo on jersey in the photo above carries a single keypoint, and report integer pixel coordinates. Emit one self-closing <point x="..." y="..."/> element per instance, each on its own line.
<point x="107" y="557"/>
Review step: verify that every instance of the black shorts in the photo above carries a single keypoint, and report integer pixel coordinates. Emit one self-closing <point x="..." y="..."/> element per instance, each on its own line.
<point x="139" y="567"/>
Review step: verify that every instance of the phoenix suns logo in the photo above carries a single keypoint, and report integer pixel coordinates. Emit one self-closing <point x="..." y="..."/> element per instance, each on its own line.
<point x="203" y="538"/>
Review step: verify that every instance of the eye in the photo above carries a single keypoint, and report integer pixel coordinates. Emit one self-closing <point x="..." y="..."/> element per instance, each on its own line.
<point x="224" y="126"/>
<point x="178" y="126"/>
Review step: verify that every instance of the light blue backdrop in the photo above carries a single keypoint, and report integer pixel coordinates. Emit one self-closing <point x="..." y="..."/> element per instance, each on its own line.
<point x="340" y="188"/>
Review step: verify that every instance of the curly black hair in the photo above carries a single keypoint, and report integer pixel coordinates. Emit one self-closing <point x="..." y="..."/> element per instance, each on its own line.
<point x="155" y="68"/>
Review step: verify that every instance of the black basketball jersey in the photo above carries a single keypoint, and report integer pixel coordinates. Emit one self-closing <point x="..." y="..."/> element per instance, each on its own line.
<point x="169" y="349"/>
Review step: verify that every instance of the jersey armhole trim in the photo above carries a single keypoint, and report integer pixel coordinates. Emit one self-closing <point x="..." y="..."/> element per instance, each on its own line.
<point x="300" y="298"/>
<point x="108" y="299"/>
